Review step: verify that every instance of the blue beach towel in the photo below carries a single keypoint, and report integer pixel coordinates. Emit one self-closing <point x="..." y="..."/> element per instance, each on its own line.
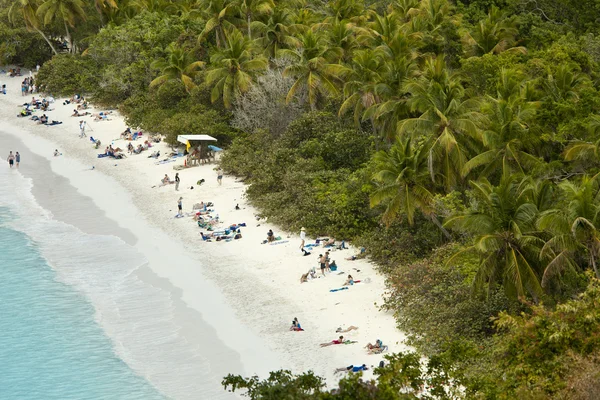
<point x="337" y="290"/>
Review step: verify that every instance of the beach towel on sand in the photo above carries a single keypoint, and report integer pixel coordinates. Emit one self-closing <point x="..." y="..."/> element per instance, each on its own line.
<point x="337" y="290"/>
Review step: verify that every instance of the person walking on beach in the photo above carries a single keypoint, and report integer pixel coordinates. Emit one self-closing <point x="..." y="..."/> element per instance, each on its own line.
<point x="17" y="159"/>
<point x="11" y="159"/>
<point x="82" y="129"/>
<point x="180" y="207"/>
<point x="302" y="238"/>
<point x="177" y="181"/>
<point x="220" y="175"/>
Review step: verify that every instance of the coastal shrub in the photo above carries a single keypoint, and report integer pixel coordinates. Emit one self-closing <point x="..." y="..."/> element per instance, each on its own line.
<point x="310" y="176"/>
<point x="433" y="302"/>
<point x="538" y="349"/>
<point x="402" y="377"/>
<point x="197" y="120"/>
<point x="126" y="52"/>
<point x="68" y="74"/>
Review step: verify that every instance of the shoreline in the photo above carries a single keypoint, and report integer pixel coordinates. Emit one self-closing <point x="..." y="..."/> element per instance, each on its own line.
<point x="259" y="282"/>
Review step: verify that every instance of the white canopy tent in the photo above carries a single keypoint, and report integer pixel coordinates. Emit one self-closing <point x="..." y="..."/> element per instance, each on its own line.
<point x="184" y="139"/>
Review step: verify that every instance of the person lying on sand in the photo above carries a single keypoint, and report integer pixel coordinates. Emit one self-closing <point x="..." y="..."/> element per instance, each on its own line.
<point x="329" y="243"/>
<point x="79" y="114"/>
<point x="101" y="116"/>
<point x="43" y="119"/>
<point x="340" y="340"/>
<point x="296" y="326"/>
<point x="352" y="368"/>
<point x="348" y="329"/>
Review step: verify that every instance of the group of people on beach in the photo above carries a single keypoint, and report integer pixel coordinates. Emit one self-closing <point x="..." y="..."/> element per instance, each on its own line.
<point x="27" y="86"/>
<point x="13" y="159"/>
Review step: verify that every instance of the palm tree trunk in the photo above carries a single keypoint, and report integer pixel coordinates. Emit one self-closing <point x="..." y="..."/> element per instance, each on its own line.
<point x="375" y="134"/>
<point x="47" y="40"/>
<point x="68" y="37"/>
<point x="248" y="21"/>
<point x="439" y="225"/>
<point x="594" y="263"/>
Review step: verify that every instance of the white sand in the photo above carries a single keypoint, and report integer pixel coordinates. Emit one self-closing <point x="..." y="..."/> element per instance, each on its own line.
<point x="261" y="283"/>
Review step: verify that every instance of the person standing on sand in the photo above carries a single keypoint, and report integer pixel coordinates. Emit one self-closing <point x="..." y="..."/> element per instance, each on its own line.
<point x="180" y="207"/>
<point x="17" y="159"/>
<point x="10" y="159"/>
<point x="302" y="238"/>
<point x="322" y="261"/>
<point x="177" y="181"/>
<point x="220" y="175"/>
<point x="82" y="129"/>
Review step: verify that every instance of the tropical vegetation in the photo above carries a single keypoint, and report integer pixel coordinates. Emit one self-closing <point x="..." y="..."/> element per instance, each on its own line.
<point x="456" y="140"/>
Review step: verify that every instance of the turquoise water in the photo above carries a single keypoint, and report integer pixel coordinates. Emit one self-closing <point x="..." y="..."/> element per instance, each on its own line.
<point x="50" y="345"/>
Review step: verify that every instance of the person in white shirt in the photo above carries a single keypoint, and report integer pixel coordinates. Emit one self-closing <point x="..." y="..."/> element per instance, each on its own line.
<point x="82" y="129"/>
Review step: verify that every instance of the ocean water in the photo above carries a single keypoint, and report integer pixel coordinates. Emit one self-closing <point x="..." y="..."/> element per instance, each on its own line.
<point x="50" y="345"/>
<point x="79" y="321"/>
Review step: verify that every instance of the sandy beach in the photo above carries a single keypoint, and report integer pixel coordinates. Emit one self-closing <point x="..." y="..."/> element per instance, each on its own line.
<point x="245" y="291"/>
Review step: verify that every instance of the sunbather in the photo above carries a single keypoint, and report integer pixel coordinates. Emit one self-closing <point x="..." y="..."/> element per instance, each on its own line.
<point x="353" y="368"/>
<point x="329" y="243"/>
<point x="296" y="326"/>
<point x="349" y="281"/>
<point x="166" y="180"/>
<point x="270" y="236"/>
<point x="348" y="329"/>
<point x="304" y="277"/>
<point x="374" y="347"/>
<point x="340" y="340"/>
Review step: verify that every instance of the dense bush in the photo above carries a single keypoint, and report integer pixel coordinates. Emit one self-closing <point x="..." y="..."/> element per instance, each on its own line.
<point x="68" y="74"/>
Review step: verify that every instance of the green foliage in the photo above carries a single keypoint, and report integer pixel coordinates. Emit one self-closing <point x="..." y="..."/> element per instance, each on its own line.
<point x="479" y="116"/>
<point x="539" y="348"/>
<point x="403" y="377"/>
<point x="67" y="74"/>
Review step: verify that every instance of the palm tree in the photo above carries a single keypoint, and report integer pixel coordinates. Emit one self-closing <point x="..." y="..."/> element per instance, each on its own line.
<point x="400" y="177"/>
<point x="507" y="138"/>
<point x="180" y="64"/>
<point x="345" y="10"/>
<point x="276" y="32"/>
<point x="233" y="68"/>
<point x="503" y="228"/>
<point x="580" y="150"/>
<point x="495" y="34"/>
<point x="104" y="6"/>
<point x="311" y="69"/>
<point x="446" y="118"/>
<point x="564" y="84"/>
<point x="28" y="10"/>
<point x="251" y="8"/>
<point x="340" y="38"/>
<point x="574" y="228"/>
<point x="218" y="14"/>
<point x="360" y="89"/>
<point x="67" y="11"/>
